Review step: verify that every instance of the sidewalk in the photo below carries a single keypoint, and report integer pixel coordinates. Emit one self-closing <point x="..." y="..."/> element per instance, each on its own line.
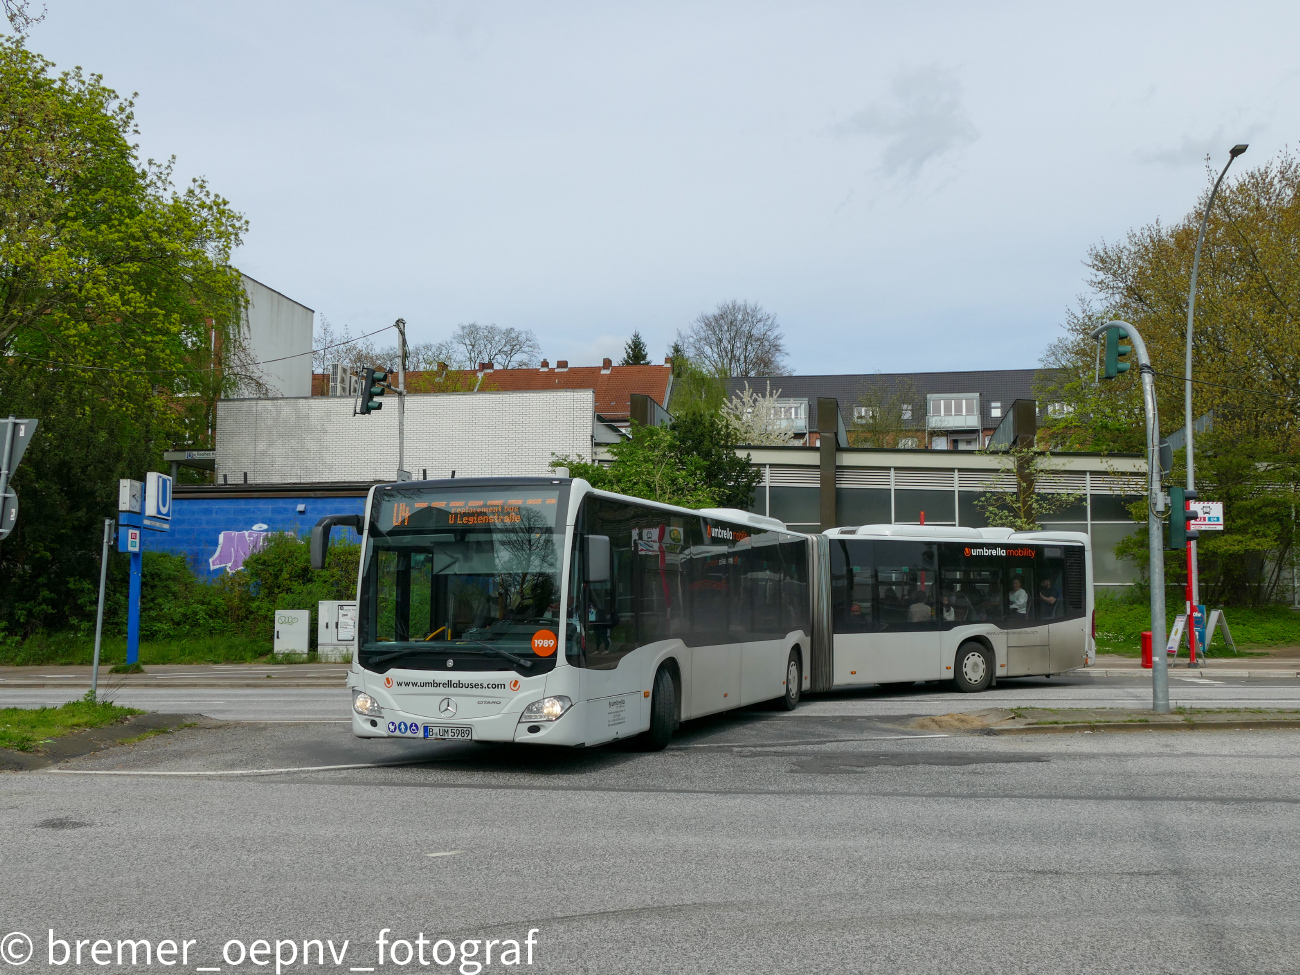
<point x="182" y="675"/>
<point x="1215" y="667"/>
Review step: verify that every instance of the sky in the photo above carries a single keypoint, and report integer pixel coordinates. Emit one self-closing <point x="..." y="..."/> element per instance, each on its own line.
<point x="907" y="187"/>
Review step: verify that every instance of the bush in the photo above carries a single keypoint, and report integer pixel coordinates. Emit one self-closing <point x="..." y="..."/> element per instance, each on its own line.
<point x="1121" y="619"/>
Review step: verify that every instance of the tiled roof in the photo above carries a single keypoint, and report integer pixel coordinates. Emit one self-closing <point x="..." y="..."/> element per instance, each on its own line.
<point x="613" y="386"/>
<point x="994" y="385"/>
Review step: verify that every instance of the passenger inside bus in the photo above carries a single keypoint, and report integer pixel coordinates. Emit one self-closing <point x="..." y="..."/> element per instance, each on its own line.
<point x="1019" y="600"/>
<point x="919" y="611"/>
<point x="1049" y="599"/>
<point x="949" y="611"/>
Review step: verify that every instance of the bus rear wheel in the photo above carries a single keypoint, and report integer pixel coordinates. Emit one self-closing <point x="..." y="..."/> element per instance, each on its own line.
<point x="663" y="712"/>
<point x="793" y="682"/>
<point x="973" y="668"/>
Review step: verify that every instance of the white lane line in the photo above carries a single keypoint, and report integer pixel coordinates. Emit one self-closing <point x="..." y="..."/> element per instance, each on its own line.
<point x="207" y="969"/>
<point x="1198" y="680"/>
<point x="245" y="771"/>
<point x="445" y="853"/>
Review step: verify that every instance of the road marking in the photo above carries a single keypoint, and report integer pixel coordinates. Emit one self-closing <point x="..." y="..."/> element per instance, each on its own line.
<point x="244" y="771"/>
<point x="207" y="969"/>
<point x="1198" y="680"/>
<point x="361" y="969"/>
<point x="445" y="853"/>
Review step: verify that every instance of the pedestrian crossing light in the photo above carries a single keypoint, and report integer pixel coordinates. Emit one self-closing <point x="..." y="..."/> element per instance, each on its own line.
<point x="1114" y="351"/>
<point x="1180" y="518"/>
<point x="372" y="387"/>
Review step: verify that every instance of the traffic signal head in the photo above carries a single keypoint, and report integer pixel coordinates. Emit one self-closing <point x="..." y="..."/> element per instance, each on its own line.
<point x="1114" y="351"/>
<point x="1180" y="518"/>
<point x="372" y="381"/>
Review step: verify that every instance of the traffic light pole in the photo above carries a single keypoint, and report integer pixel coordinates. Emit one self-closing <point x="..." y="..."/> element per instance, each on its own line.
<point x="401" y="400"/>
<point x="1155" y="523"/>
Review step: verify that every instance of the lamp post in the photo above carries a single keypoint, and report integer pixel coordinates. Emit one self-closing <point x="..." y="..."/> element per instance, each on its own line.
<point x="1193" y="581"/>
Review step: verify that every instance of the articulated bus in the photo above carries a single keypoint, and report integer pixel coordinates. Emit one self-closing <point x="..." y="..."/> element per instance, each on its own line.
<point x="541" y="610"/>
<point x="921" y="603"/>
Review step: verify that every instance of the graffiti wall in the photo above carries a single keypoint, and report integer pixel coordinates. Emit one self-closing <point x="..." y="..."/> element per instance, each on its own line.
<point x="217" y="534"/>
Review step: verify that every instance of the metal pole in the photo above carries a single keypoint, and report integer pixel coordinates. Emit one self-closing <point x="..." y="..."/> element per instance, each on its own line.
<point x="133" y="612"/>
<point x="99" y="618"/>
<point x="401" y="399"/>
<point x="10" y="426"/>
<point x="1193" y="580"/>
<point x="1155" y="526"/>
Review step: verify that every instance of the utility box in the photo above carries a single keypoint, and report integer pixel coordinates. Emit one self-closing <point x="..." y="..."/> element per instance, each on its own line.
<point x="336" y="629"/>
<point x="292" y="631"/>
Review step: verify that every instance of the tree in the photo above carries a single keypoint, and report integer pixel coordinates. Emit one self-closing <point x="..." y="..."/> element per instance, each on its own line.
<point x="634" y="353"/>
<point x="472" y="344"/>
<point x="1246" y="363"/>
<point x="18" y="13"/>
<point x="1024" y="507"/>
<point x="692" y="463"/>
<point x="739" y="339"/>
<point x="888" y="416"/>
<point x="121" y="321"/>
<point x="756" y="417"/>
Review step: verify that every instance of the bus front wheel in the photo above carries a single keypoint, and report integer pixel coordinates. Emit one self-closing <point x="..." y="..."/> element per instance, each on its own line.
<point x="973" y="668"/>
<point x="663" y="711"/>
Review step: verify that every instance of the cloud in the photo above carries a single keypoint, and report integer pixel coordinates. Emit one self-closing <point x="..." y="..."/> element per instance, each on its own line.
<point x="923" y="120"/>
<point x="1193" y="150"/>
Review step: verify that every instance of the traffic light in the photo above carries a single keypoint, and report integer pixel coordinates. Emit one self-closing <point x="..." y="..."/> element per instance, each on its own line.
<point x="372" y="386"/>
<point x="1180" y="518"/>
<point x="1113" y="352"/>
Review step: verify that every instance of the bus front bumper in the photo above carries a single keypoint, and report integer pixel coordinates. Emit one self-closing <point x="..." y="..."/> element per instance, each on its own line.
<point x="504" y="727"/>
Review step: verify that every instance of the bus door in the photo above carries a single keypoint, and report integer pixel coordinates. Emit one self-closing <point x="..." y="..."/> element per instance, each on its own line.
<point x="1060" y="603"/>
<point x="906" y="642"/>
<point x="1028" y="634"/>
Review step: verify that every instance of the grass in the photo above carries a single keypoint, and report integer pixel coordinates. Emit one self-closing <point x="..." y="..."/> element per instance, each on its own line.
<point x="1120" y="622"/>
<point x="50" y="649"/>
<point x="23" y="729"/>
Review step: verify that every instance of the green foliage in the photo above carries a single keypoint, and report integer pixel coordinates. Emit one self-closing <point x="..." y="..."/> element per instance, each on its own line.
<point x="635" y="353"/>
<point x="190" y="621"/>
<point x="1246" y="356"/>
<point x="695" y="389"/>
<point x="693" y="463"/>
<point x="23" y="729"/>
<point x="103" y="264"/>
<point x="1122" y="619"/>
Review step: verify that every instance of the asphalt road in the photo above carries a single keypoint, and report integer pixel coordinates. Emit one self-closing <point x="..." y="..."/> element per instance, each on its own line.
<point x="1080" y="690"/>
<point x="823" y="841"/>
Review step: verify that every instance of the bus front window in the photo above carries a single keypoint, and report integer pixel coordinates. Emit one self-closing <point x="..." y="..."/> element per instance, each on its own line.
<point x="455" y="574"/>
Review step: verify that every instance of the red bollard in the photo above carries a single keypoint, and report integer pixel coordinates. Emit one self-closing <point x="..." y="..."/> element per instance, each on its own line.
<point x="1146" y="650"/>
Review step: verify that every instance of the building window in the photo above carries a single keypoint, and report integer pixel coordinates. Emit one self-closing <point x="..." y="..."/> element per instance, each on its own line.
<point x="1059" y="409"/>
<point x="995" y="409"/>
<point x="907" y="411"/>
<point x="907" y="443"/>
<point x="864" y="414"/>
<point x="954" y="406"/>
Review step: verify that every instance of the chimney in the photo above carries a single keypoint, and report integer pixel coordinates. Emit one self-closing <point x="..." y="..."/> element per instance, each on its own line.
<point x="668" y="360"/>
<point x="442" y="369"/>
<point x="485" y="367"/>
<point x="606" y="365"/>
<point x="561" y="365"/>
<point x="545" y="365"/>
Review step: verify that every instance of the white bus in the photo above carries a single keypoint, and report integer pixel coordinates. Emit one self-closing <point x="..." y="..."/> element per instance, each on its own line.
<point x="541" y="610"/>
<point x="921" y="603"/>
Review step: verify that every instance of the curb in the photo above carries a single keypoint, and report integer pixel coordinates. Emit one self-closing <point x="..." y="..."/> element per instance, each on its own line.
<point x="1208" y="672"/>
<point x="95" y="739"/>
<point x="1061" y="729"/>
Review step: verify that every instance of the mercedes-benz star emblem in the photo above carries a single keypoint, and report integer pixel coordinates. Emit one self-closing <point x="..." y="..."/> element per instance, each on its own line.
<point x="447" y="707"/>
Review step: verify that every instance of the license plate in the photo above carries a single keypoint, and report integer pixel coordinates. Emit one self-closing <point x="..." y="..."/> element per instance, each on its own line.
<point x="446" y="731"/>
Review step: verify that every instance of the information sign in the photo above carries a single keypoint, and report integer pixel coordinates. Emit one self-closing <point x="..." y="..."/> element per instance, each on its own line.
<point x="1209" y="516"/>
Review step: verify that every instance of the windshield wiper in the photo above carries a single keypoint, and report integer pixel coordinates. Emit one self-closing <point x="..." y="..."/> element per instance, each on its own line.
<point x="393" y="655"/>
<point x="503" y="653"/>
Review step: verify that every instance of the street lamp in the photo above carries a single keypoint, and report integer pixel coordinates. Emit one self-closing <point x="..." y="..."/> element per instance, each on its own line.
<point x="1193" y="582"/>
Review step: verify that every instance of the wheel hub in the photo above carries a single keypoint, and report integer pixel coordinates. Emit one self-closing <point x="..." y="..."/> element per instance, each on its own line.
<point x="974" y="667"/>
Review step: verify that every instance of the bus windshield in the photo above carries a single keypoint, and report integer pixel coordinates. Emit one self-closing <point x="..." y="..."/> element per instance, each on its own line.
<point x="452" y="575"/>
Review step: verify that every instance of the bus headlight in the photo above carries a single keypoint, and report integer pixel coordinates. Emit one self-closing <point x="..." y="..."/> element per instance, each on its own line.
<point x="363" y="703"/>
<point x="547" y="709"/>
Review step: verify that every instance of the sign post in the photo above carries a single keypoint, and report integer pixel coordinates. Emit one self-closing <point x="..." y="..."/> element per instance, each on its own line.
<point x="142" y="507"/>
<point x="1209" y="517"/>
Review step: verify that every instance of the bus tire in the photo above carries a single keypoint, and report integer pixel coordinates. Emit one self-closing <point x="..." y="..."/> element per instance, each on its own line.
<point x="793" y="682"/>
<point x="973" y="668"/>
<point x="663" y="712"/>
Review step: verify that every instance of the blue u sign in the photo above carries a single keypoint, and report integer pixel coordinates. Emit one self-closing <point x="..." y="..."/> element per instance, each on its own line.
<point x="157" y="495"/>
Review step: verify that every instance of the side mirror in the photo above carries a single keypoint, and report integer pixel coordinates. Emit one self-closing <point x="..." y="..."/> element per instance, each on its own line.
<point x="597" y="559"/>
<point x="320" y="535"/>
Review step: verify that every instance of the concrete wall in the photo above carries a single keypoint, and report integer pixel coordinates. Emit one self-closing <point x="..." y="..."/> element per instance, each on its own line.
<point x="317" y="439"/>
<point x="279" y="327"/>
